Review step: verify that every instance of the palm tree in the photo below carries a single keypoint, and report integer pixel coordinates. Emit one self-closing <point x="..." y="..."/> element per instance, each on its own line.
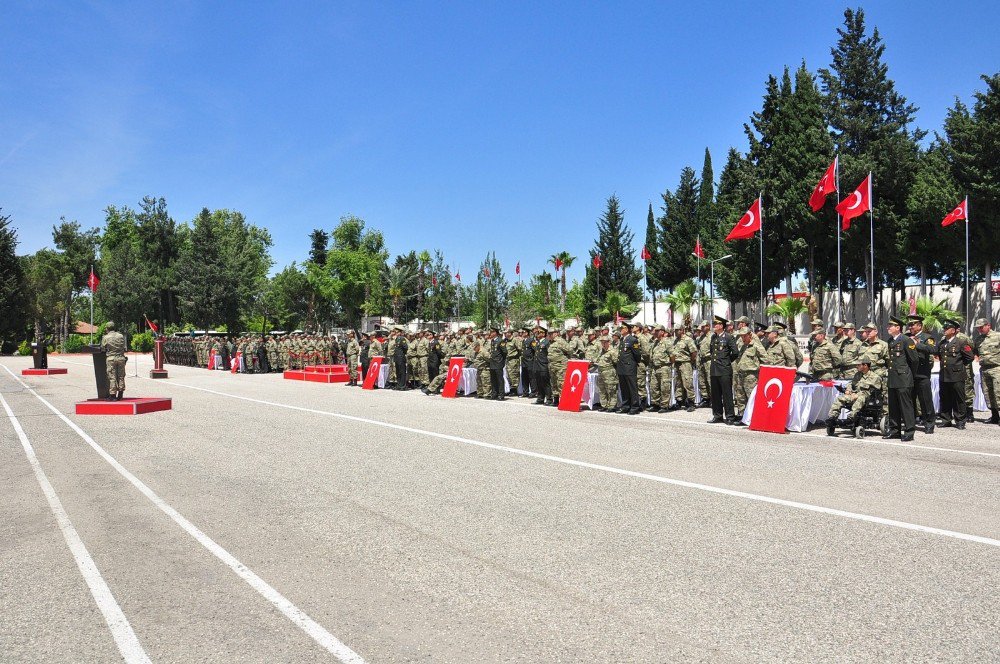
<point x="934" y="313"/>
<point x="684" y="297"/>
<point x="562" y="260"/>
<point x="788" y="308"/>
<point x="616" y="303"/>
<point x="398" y="279"/>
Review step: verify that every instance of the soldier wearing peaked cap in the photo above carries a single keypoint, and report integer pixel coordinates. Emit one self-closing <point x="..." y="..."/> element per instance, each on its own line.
<point x="926" y="350"/>
<point x="724" y="353"/>
<point x="903" y="361"/>
<point x="955" y="355"/>
<point x="703" y="341"/>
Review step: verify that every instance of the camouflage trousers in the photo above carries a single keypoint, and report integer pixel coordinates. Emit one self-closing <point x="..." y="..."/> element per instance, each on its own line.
<point x="743" y="386"/>
<point x="352" y="367"/>
<point x="484" y="388"/>
<point x="557" y="373"/>
<point x="607" y="388"/>
<point x="704" y="382"/>
<point x="514" y="373"/>
<point x="854" y="402"/>
<point x="991" y="387"/>
<point x="421" y="374"/>
<point x="684" y="387"/>
<point x="641" y="376"/>
<point x="659" y="386"/>
<point x="116" y="374"/>
<point x="438" y="382"/>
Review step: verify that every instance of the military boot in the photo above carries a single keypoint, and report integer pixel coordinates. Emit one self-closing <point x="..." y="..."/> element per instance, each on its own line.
<point x="995" y="419"/>
<point x="831" y="426"/>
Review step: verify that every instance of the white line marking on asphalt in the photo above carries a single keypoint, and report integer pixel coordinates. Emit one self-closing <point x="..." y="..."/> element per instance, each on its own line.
<point x="856" y="516"/>
<point x="126" y="640"/>
<point x="328" y="641"/>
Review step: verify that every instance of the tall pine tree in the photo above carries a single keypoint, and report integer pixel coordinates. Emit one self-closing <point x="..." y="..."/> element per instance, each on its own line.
<point x="618" y="271"/>
<point x="678" y="228"/>
<point x="12" y="322"/>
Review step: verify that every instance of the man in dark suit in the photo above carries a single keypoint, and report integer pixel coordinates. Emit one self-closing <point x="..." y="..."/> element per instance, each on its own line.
<point x="627" y="368"/>
<point x="903" y="361"/>
<point x="926" y="350"/>
<point x="723" y="353"/>
<point x="540" y="381"/>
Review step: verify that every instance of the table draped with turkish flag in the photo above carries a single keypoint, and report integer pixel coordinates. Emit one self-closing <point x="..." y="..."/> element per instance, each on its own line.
<point x="573" y="384"/>
<point x="374" y="367"/>
<point x="773" y="396"/>
<point x="450" y="389"/>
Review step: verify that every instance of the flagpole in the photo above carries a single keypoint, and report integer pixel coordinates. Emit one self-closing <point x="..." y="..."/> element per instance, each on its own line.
<point x="760" y="198"/>
<point x="92" y="298"/>
<point x="989" y="279"/>
<point x="840" y="290"/>
<point x="645" y="275"/>
<point x="871" y="226"/>
<point x="701" y="314"/>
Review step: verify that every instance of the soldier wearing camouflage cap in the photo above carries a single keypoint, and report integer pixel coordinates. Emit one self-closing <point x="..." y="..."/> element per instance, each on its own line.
<point x="988" y="350"/>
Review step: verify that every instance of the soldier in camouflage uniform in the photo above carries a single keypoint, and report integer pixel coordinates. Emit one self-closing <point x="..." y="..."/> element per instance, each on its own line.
<point x="422" y="350"/>
<point x="988" y="350"/>
<point x="864" y="384"/>
<point x="778" y="353"/>
<point x="685" y="356"/>
<point x="876" y="352"/>
<point x="113" y="344"/>
<point x="825" y="358"/>
<point x="704" y="343"/>
<point x="661" y="369"/>
<point x="353" y="352"/>
<point x="559" y="355"/>
<point x="751" y="356"/>
<point x="644" y="366"/>
<point x="514" y="350"/>
<point x="850" y="350"/>
<point x="607" y="375"/>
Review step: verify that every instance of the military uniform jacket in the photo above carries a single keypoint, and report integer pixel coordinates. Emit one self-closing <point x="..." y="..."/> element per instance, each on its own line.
<point x="724" y="353"/>
<point x="113" y="344"/>
<point x="903" y="361"/>
<point x="988" y="350"/>
<point x="684" y="350"/>
<point x="751" y="357"/>
<point x="629" y="355"/>
<point x="528" y="353"/>
<point x="825" y="357"/>
<point x="607" y="361"/>
<point x="541" y="354"/>
<point x="498" y="351"/>
<point x="866" y="384"/>
<point x="513" y="348"/>
<point x="659" y="353"/>
<point x="926" y="350"/>
<point x="559" y="351"/>
<point x="850" y="351"/>
<point x="877" y="354"/>
<point x="376" y="350"/>
<point x="955" y="355"/>
<point x="705" y="349"/>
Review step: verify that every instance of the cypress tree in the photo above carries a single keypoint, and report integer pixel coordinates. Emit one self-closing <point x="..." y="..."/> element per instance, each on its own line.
<point x="618" y="270"/>
<point x="12" y="322"/>
<point x="677" y="231"/>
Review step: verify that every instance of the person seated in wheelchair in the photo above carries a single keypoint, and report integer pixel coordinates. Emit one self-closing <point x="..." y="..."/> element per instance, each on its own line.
<point x="865" y="385"/>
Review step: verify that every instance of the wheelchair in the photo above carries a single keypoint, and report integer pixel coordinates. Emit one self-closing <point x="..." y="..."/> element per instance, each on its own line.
<point x="869" y="418"/>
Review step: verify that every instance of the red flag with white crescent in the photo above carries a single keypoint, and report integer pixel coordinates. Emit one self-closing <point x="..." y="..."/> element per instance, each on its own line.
<point x="772" y="398"/>
<point x="698" y="251"/>
<point x="960" y="212"/>
<point x="597" y="262"/>
<point x="573" y="384"/>
<point x="374" y="369"/>
<point x="458" y="276"/>
<point x="455" y="366"/>
<point x="434" y="280"/>
<point x="558" y="264"/>
<point x="92" y="281"/>
<point x="856" y="204"/>
<point x="748" y="224"/>
<point x="517" y="268"/>
<point x="826" y="186"/>
<point x="644" y="254"/>
<point x="151" y="324"/>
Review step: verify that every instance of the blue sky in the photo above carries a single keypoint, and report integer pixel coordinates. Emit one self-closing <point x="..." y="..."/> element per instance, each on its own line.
<point x="466" y="127"/>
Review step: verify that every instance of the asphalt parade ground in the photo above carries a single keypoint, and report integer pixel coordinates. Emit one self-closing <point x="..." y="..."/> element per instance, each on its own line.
<point x="266" y="520"/>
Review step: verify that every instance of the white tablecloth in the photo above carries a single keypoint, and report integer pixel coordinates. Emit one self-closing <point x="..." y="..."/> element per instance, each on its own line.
<point x="591" y="396"/>
<point x="468" y="383"/>
<point x="810" y="403"/>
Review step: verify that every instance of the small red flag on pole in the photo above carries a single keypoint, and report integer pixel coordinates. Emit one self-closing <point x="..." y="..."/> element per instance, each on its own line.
<point x="558" y="264"/>
<point x="748" y="224"/>
<point x="826" y="186"/>
<point x="857" y="203"/>
<point x="458" y="276"/>
<point x="517" y="268"/>
<point x="698" y="251"/>
<point x="645" y="255"/>
<point x="92" y="281"/>
<point x="597" y="262"/>
<point x="960" y="212"/>
<point x="151" y="324"/>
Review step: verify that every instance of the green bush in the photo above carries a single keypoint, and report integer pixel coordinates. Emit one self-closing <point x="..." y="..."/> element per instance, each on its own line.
<point x="24" y="348"/>
<point x="143" y="342"/>
<point x="75" y="343"/>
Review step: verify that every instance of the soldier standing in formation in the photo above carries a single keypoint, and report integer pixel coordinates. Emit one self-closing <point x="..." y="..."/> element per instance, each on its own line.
<point x="850" y="351"/>
<point x="751" y="356"/>
<point x="629" y="358"/>
<point x="660" y="368"/>
<point x="704" y="361"/>
<point x="514" y="350"/>
<point x="926" y="350"/>
<point x="528" y="345"/>
<point x="498" y="360"/>
<point x="607" y="375"/>
<point x="685" y="355"/>
<point x="825" y="357"/>
<point x="353" y="353"/>
<point x="724" y="352"/>
<point x="988" y="350"/>
<point x="543" y="391"/>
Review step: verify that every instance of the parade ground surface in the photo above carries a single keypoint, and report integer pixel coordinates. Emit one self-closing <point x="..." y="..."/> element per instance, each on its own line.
<point x="271" y="520"/>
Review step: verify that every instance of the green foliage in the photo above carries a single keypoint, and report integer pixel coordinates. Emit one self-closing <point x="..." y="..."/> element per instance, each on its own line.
<point x="788" y="308"/>
<point x="354" y="265"/>
<point x="684" y="297"/>
<point x="142" y="342"/>
<point x="676" y="233"/>
<point x="618" y="271"/>
<point x="491" y="293"/>
<point x="616" y="303"/>
<point x="24" y="348"/>
<point x="934" y="313"/>
<point x="12" y="286"/>
<point x="75" y="343"/>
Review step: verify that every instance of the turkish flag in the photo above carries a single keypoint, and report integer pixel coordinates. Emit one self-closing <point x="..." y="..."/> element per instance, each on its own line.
<point x="597" y="262"/>
<point x="458" y="276"/>
<point x="960" y="212"/>
<point x="374" y="369"/>
<point x="558" y="264"/>
<point x="434" y="281"/>
<point x="517" y="268"/>
<point x="772" y="398"/>
<point x="644" y="254"/>
<point x="857" y="203"/>
<point x="211" y="359"/>
<point x="826" y="186"/>
<point x="234" y="363"/>
<point x="698" y="251"/>
<point x="486" y="272"/>
<point x="151" y="324"/>
<point x="748" y="224"/>
<point x="573" y="384"/>
<point x="455" y="367"/>
<point x="92" y="281"/>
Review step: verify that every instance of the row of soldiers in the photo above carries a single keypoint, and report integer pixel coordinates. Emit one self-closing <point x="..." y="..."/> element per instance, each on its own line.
<point x="259" y="354"/>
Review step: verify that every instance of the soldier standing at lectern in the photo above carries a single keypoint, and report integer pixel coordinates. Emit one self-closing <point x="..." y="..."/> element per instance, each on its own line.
<point x="113" y="344"/>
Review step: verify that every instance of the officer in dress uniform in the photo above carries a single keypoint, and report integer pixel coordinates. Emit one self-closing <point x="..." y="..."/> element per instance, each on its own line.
<point x="723" y="353"/>
<point x="540" y="380"/>
<point x="629" y="358"/>
<point x="903" y="361"/>
<point x="926" y="350"/>
<point x="528" y="344"/>
<point x="955" y="355"/>
<point x="498" y="359"/>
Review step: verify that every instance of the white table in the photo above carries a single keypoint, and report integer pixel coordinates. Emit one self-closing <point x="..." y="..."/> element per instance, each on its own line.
<point x="978" y="400"/>
<point x="469" y="381"/>
<point x="810" y="403"/>
<point x="591" y="396"/>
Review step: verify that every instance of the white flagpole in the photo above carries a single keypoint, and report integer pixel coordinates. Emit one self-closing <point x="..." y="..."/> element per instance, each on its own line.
<point x="871" y="225"/>
<point x="92" y="302"/>
<point x="840" y="291"/>
<point x="988" y="278"/>
<point x="760" y="199"/>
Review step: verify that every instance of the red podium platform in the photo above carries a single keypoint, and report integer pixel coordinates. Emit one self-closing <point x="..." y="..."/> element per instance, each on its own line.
<point x="127" y="406"/>
<point x="327" y="368"/>
<point x="43" y="372"/>
<point x="318" y="376"/>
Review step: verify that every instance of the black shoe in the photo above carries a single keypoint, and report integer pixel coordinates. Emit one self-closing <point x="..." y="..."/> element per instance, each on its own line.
<point x="960" y="425"/>
<point x="634" y="412"/>
<point x="654" y="409"/>
<point x="907" y="437"/>
<point x="424" y="390"/>
<point x="539" y="403"/>
<point x="943" y="422"/>
<point x="731" y="421"/>
<point x="929" y="428"/>
<point x="970" y="418"/>
<point x="716" y="420"/>
<point x="690" y="408"/>
<point x="890" y="434"/>
<point x="831" y="427"/>
<point x="995" y="418"/>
